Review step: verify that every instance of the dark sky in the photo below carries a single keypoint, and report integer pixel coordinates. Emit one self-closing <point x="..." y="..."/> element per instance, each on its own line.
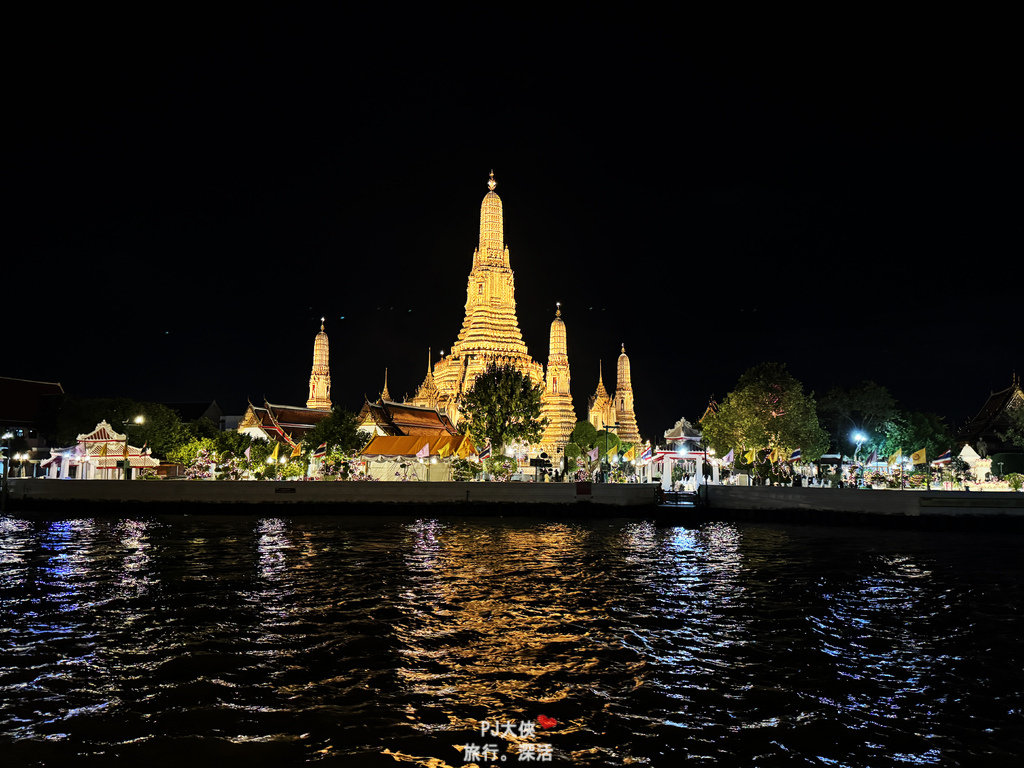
<point x="189" y="195"/>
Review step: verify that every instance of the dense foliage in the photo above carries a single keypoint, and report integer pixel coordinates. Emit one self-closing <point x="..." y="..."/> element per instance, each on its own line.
<point x="768" y="410"/>
<point x="339" y="431"/>
<point x="504" y="407"/>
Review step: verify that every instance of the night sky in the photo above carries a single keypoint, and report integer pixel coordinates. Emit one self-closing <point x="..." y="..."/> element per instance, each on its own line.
<point x="187" y="197"/>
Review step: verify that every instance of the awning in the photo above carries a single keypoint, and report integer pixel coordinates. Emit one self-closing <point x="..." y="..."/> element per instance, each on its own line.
<point x="444" y="446"/>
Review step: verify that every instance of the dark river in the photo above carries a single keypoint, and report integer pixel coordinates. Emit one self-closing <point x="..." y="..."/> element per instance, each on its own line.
<point x="198" y="640"/>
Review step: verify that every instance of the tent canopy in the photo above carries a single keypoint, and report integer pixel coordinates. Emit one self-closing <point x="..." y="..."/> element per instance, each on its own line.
<point x="444" y="446"/>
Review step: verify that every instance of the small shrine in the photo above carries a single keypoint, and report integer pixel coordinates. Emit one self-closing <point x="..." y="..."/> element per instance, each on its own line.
<point x="103" y="454"/>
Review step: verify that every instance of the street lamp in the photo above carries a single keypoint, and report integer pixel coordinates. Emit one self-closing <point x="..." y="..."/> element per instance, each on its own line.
<point x="605" y="461"/>
<point x="859" y="438"/>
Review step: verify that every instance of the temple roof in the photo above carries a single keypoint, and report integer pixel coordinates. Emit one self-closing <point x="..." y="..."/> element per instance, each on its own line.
<point x="286" y="423"/>
<point x="401" y="419"/>
<point x="994" y="417"/>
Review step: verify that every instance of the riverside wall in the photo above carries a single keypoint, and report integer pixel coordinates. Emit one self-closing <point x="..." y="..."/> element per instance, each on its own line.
<point x="316" y="497"/>
<point x="849" y="505"/>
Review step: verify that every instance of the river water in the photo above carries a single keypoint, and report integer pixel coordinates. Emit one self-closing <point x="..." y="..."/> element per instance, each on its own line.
<point x="223" y="640"/>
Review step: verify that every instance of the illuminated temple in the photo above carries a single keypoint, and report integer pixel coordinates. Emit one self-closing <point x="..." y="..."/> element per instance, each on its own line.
<point x="320" y="378"/>
<point x="615" y="412"/>
<point x="556" y="402"/>
<point x="490" y="333"/>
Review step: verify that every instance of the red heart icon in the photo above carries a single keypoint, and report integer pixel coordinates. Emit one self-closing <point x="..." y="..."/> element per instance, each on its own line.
<point x="546" y="722"/>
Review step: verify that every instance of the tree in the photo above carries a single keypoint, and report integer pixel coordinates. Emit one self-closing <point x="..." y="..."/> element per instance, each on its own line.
<point x="584" y="435"/>
<point x="504" y="406"/>
<point x="340" y="432"/>
<point x="142" y="423"/>
<point x="768" y="410"/>
<point x="868" y="409"/>
<point x="912" y="431"/>
<point x="1015" y="432"/>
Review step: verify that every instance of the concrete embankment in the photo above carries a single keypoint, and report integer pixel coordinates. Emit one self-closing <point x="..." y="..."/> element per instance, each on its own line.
<point x="115" y="496"/>
<point x="860" y="506"/>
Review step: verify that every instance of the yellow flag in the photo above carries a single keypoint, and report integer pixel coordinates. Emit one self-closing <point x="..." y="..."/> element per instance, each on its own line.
<point x="896" y="457"/>
<point x="630" y="454"/>
<point x="297" y="450"/>
<point x="749" y="456"/>
<point x="917" y="457"/>
<point x="613" y="450"/>
<point x="443" y="450"/>
<point x="774" y="455"/>
<point x="274" y="454"/>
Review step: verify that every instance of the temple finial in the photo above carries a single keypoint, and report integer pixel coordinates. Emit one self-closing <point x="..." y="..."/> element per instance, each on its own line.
<point x="623" y="347"/>
<point x="558" y="309"/>
<point x="322" y="323"/>
<point x="600" y="375"/>
<point x="491" y="183"/>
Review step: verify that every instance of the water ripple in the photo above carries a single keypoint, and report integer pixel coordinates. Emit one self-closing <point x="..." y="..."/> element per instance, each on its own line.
<point x="279" y="641"/>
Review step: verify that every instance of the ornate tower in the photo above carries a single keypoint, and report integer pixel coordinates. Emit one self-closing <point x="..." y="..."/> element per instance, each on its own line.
<point x="320" y="378"/>
<point x="599" y="409"/>
<point x="556" y="402"/>
<point x="490" y="331"/>
<point x="623" y="402"/>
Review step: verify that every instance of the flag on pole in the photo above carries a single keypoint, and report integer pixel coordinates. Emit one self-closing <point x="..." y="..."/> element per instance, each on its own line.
<point x="321" y="451"/>
<point x="612" y="451"/>
<point x="796" y="455"/>
<point x="423" y="452"/>
<point x="873" y="457"/>
<point x="593" y="454"/>
<point x="485" y="453"/>
<point x="749" y="456"/>
<point x="896" y="456"/>
<point x="647" y="454"/>
<point x="630" y="454"/>
<point x="273" y="455"/>
<point x="944" y="458"/>
<point x="918" y="457"/>
<point x="443" y="450"/>
<point x="728" y="457"/>
<point x="297" y="450"/>
<point x="248" y="453"/>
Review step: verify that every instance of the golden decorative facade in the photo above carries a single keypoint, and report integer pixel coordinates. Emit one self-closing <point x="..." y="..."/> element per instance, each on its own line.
<point x="490" y="332"/>
<point x="320" y="378"/>
<point x="616" y="412"/>
<point x="556" y="402"/>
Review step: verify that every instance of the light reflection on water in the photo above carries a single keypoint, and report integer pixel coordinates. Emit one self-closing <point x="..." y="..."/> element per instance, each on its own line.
<point x="317" y="638"/>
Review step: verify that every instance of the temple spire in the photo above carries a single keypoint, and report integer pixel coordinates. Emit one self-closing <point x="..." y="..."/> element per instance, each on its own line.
<point x="385" y="395"/>
<point x="320" y="378"/>
<point x="556" y="400"/>
<point x="490" y="328"/>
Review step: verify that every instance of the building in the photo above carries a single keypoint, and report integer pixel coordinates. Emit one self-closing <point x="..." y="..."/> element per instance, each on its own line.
<point x="385" y="418"/>
<point x="615" y="412"/>
<point x="320" y="378"/>
<point x="490" y="332"/>
<point x="280" y="423"/>
<point x="103" y="454"/>
<point x="556" y="401"/>
<point x="288" y="424"/>
<point x="985" y="432"/>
